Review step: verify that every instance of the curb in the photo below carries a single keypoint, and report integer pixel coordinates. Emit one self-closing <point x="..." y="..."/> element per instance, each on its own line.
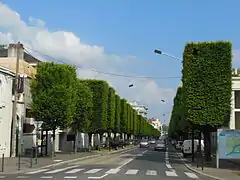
<point x="71" y="160"/>
<point x="53" y="165"/>
<point x="197" y="171"/>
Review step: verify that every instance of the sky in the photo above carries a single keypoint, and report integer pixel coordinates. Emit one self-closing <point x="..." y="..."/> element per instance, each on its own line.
<point x="119" y="37"/>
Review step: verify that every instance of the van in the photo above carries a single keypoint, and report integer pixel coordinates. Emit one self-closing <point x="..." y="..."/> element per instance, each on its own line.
<point x="187" y="147"/>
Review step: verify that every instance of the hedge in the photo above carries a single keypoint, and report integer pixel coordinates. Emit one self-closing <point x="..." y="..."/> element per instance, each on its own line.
<point x="207" y="82"/>
<point x="117" y="114"/>
<point x="99" y="115"/>
<point x="123" y="116"/>
<point x="111" y="110"/>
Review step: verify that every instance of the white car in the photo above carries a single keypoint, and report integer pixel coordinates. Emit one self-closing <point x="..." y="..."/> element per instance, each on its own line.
<point x="144" y="144"/>
<point x="179" y="145"/>
<point x="187" y="147"/>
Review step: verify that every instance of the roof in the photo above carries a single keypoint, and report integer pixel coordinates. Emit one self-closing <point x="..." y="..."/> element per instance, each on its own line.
<point x="27" y="57"/>
<point x="6" y="71"/>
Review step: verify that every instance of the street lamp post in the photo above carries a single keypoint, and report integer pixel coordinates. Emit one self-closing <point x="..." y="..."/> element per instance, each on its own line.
<point x="166" y="54"/>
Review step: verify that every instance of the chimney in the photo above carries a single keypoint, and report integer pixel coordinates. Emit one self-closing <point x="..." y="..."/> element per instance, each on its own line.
<point x="12" y="51"/>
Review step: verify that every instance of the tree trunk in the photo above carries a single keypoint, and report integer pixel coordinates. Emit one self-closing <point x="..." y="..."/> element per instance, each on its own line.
<point x="207" y="145"/>
<point x="53" y="143"/>
<point x="200" y="143"/>
<point x="46" y="143"/>
<point x="75" y="142"/>
<point x="193" y="146"/>
<point x="89" y="141"/>
<point x="109" y="139"/>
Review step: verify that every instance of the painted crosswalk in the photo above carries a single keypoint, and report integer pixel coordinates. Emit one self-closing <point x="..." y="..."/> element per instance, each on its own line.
<point x="75" y="172"/>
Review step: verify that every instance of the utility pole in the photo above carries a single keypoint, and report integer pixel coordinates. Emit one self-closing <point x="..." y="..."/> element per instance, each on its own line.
<point x="14" y="110"/>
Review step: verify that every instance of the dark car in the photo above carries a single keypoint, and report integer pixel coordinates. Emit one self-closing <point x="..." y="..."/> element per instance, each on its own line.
<point x="160" y="146"/>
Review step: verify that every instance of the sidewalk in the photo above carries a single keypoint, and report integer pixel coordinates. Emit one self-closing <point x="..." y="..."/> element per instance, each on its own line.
<point x="227" y="170"/>
<point x="26" y="164"/>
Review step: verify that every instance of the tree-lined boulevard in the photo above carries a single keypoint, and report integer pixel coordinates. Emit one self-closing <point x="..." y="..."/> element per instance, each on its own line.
<point x="61" y="100"/>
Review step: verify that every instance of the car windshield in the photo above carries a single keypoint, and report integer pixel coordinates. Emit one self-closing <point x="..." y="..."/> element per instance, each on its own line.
<point x="160" y="142"/>
<point x="144" y="140"/>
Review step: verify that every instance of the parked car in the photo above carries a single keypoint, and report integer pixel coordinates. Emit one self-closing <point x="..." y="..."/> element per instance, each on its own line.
<point x="152" y="141"/>
<point x="179" y="145"/>
<point x="160" y="146"/>
<point x="187" y="147"/>
<point x="144" y="144"/>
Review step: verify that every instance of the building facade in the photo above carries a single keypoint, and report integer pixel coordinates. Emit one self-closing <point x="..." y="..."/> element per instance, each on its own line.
<point x="6" y="79"/>
<point x="235" y="104"/>
<point x="141" y="109"/>
<point x="155" y="122"/>
<point x="27" y="71"/>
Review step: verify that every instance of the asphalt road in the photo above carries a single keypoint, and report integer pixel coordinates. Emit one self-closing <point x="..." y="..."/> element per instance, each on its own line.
<point x="136" y="164"/>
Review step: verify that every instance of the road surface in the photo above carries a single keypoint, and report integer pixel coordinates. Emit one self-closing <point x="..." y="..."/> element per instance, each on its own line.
<point x="138" y="164"/>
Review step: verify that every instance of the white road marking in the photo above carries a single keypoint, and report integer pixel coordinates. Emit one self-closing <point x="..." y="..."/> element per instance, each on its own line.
<point x="132" y="171"/>
<point x="169" y="166"/>
<point x="144" y="151"/>
<point x="113" y="171"/>
<point x="151" y="173"/>
<point x="191" y="175"/>
<point x="37" y="171"/>
<point x="92" y="171"/>
<point x="125" y="163"/>
<point x="59" y="170"/>
<point x="171" y="173"/>
<point x="100" y="177"/>
<point x="58" y="160"/>
<point x="70" y="177"/>
<point x="46" y="177"/>
<point x="2" y="177"/>
<point x="22" y="177"/>
<point x="74" y="171"/>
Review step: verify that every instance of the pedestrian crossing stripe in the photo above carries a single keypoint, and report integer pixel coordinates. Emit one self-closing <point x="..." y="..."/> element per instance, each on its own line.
<point x="74" y="170"/>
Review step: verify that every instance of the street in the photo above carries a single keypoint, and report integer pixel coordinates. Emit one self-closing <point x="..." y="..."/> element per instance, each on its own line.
<point x="137" y="164"/>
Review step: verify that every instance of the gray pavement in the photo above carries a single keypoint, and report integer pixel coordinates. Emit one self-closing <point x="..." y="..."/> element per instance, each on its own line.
<point x="129" y="165"/>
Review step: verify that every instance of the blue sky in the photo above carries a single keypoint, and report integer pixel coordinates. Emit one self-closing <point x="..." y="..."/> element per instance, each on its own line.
<point x="137" y="27"/>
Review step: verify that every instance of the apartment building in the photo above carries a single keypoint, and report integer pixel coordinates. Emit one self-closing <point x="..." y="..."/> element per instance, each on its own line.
<point x="141" y="109"/>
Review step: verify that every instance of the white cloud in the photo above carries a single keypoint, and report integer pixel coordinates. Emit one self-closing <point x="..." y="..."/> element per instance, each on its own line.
<point x="68" y="47"/>
<point x="236" y="58"/>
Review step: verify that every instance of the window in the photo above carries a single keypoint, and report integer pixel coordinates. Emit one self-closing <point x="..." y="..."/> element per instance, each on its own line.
<point x="237" y="120"/>
<point x="237" y="99"/>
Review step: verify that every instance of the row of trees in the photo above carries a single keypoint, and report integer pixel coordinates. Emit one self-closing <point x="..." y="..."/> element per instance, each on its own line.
<point x="61" y="100"/>
<point x="203" y="103"/>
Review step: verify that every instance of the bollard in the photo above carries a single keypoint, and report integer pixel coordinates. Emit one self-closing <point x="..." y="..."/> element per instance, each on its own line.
<point x="31" y="164"/>
<point x="19" y="161"/>
<point x="202" y="160"/>
<point x="3" y="162"/>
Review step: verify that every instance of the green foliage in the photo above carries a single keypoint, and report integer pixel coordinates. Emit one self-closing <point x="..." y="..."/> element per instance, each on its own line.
<point x="54" y="94"/>
<point x="123" y="116"/>
<point x="111" y="110"/>
<point x="178" y="122"/>
<point x="99" y="90"/>
<point x="135" y="123"/>
<point x="82" y="119"/>
<point x="117" y="114"/>
<point x="129" y="118"/>
<point x="207" y="82"/>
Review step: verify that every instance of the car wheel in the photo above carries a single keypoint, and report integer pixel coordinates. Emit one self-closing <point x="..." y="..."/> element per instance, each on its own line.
<point x="184" y="155"/>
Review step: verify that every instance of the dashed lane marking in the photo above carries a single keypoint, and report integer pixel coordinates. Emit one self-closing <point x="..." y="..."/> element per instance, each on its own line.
<point x="151" y="173"/>
<point x="191" y="175"/>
